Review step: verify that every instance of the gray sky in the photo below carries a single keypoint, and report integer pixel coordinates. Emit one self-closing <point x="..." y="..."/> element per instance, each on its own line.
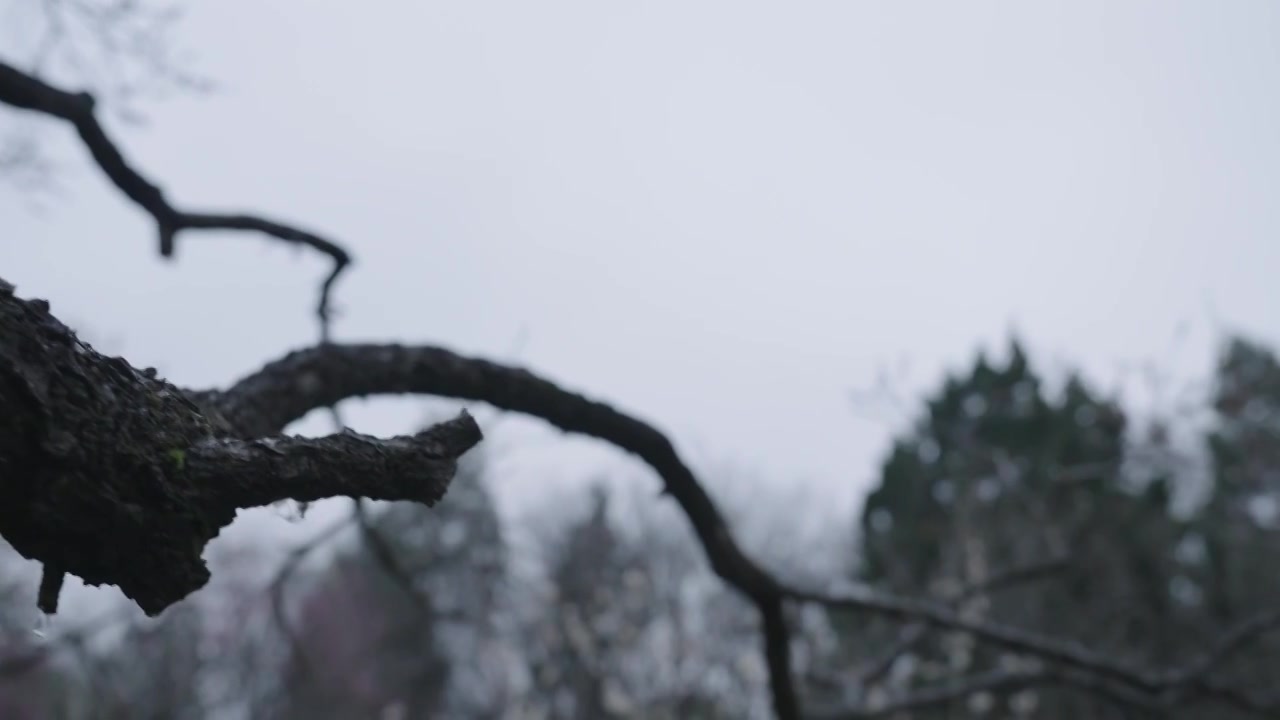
<point x="721" y="216"/>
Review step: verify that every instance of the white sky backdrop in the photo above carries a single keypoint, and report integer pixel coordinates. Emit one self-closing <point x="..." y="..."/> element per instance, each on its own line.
<point x="721" y="216"/>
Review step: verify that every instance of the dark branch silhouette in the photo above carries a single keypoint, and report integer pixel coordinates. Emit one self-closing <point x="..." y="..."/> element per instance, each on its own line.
<point x="20" y="90"/>
<point x="119" y="477"/>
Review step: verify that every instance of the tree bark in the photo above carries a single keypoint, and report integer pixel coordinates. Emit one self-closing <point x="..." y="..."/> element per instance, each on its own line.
<point x="121" y="478"/>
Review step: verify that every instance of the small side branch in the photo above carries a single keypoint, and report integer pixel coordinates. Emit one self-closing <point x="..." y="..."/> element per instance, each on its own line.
<point x="236" y="473"/>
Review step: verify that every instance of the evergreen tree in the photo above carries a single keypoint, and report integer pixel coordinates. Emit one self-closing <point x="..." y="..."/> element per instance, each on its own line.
<point x="998" y="476"/>
<point x="1239" y="525"/>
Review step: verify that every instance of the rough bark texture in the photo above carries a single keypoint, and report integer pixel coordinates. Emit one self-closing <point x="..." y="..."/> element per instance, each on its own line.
<point x="121" y="478"/>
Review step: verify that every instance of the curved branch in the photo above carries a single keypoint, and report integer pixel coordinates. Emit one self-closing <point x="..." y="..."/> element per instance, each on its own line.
<point x="1076" y="664"/>
<point x="912" y="634"/>
<point x="288" y="389"/>
<point x="27" y="92"/>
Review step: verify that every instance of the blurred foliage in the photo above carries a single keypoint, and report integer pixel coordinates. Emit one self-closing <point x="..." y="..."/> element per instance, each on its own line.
<point x="998" y="475"/>
<point x="610" y="611"/>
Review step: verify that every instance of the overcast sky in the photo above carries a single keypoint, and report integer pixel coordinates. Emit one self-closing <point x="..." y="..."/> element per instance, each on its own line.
<point x="721" y="216"/>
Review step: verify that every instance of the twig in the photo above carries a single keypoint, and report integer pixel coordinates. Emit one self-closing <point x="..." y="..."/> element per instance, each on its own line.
<point x="273" y="397"/>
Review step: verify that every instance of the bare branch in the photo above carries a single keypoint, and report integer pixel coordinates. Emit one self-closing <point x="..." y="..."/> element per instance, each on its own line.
<point x="912" y="634"/>
<point x="1250" y="631"/>
<point x="1069" y="654"/>
<point x="285" y="390"/>
<point x="28" y="92"/>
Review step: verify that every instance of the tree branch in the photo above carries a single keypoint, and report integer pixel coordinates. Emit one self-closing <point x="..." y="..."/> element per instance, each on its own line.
<point x="914" y="633"/>
<point x="1076" y="665"/>
<point x="287" y="389"/>
<point x="21" y="90"/>
<point x="1069" y="654"/>
<point x="117" y="476"/>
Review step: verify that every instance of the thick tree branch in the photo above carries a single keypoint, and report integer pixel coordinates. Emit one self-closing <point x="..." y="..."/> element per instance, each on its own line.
<point x="285" y="390"/>
<point x="21" y="90"/>
<point x="117" y="476"/>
